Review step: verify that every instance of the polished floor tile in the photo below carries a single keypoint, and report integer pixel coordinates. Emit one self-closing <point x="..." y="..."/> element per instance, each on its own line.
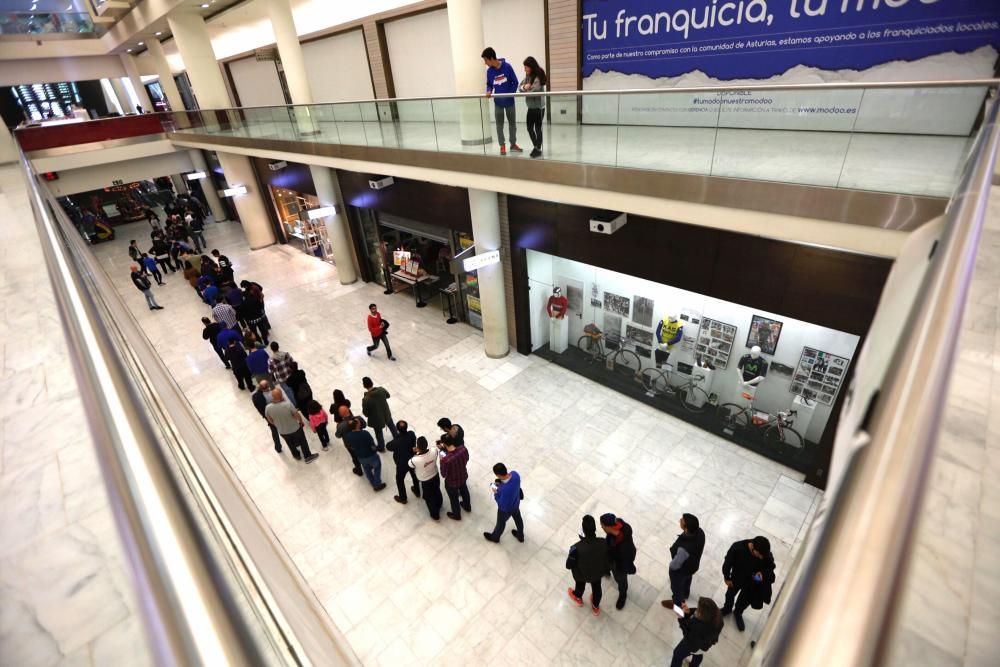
<point x="578" y="446"/>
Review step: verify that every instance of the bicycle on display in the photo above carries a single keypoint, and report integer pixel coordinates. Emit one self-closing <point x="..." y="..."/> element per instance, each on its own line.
<point x="623" y="360"/>
<point x="775" y="429"/>
<point x="690" y="396"/>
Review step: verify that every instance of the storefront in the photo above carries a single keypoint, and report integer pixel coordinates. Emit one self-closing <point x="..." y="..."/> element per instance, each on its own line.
<point x="671" y="314"/>
<point x="407" y="236"/>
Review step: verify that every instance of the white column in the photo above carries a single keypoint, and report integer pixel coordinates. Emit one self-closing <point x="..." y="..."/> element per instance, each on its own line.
<point x="191" y="35"/>
<point x="167" y="83"/>
<point x="8" y="150"/>
<point x="180" y="185"/>
<point x="207" y="186"/>
<point x="121" y="95"/>
<point x="253" y="215"/>
<point x="328" y="191"/>
<point x="465" y="27"/>
<point x="486" y="232"/>
<point x="294" y="64"/>
<point x="128" y="62"/>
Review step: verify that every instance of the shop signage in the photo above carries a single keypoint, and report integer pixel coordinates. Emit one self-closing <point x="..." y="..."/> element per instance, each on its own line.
<point x="233" y="191"/>
<point x="277" y="166"/>
<point x="195" y="175"/>
<point x="764" y="38"/>
<point x="324" y="212"/>
<point x="481" y="260"/>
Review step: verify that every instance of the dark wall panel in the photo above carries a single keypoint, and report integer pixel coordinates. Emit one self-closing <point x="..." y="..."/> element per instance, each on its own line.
<point x="434" y="204"/>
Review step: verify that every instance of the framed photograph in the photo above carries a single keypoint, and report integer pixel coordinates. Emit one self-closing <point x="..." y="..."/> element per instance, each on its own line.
<point x="612" y="328"/>
<point x="797" y="388"/>
<point x="826" y="399"/>
<point x="642" y="311"/>
<point x="764" y="332"/>
<point x="715" y="341"/>
<point x="836" y="371"/>
<point x="639" y="336"/>
<point x="620" y="305"/>
<point x="574" y="295"/>
<point x="819" y="375"/>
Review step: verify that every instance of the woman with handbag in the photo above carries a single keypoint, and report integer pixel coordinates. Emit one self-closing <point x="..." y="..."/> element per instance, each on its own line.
<point x="701" y="628"/>
<point x="588" y="560"/>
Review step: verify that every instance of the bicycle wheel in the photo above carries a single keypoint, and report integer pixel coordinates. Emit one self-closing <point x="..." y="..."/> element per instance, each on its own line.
<point x="590" y="346"/>
<point x="654" y="380"/>
<point x="627" y="363"/>
<point x="784" y="435"/>
<point x="698" y="399"/>
<point x="733" y="416"/>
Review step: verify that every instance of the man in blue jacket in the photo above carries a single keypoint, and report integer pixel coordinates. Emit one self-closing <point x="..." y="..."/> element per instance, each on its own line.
<point x="507" y="493"/>
<point x="500" y="78"/>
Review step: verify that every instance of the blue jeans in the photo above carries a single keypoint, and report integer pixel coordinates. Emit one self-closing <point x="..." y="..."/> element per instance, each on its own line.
<point x="502" y="518"/>
<point x="148" y="293"/>
<point x="373" y="469"/>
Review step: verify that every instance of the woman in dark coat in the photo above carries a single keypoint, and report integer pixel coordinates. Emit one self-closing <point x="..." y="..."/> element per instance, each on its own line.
<point x="701" y="630"/>
<point x="589" y="562"/>
<point x="338" y="400"/>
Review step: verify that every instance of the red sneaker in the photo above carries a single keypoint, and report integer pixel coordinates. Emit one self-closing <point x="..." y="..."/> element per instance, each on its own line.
<point x="503" y="149"/>
<point x="574" y="598"/>
<point x="514" y="148"/>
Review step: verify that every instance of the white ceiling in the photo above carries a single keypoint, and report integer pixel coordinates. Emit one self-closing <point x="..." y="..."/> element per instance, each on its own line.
<point x="247" y="26"/>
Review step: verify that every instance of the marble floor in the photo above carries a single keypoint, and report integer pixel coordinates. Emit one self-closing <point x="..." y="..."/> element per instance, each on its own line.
<point x="909" y="164"/>
<point x="958" y="543"/>
<point x="65" y="597"/>
<point x="408" y="591"/>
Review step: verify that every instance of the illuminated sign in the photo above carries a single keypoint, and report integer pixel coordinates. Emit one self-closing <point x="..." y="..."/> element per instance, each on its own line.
<point x="195" y="175"/>
<point x="481" y="260"/>
<point x="326" y="211"/>
<point x="233" y="191"/>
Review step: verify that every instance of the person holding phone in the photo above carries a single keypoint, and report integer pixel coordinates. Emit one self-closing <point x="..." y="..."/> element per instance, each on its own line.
<point x="701" y="628"/>
<point x="534" y="82"/>
<point x="748" y="572"/>
<point x="507" y="494"/>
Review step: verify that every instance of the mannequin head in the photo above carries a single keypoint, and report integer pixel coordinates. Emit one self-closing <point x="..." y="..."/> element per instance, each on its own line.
<point x="672" y="317"/>
<point x="556" y="291"/>
<point x="755" y="352"/>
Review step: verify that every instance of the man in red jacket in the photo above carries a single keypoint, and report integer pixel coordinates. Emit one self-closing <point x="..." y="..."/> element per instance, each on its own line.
<point x="377" y="327"/>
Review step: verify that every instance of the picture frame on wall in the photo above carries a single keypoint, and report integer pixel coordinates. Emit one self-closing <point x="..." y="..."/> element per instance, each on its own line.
<point x="819" y="375"/>
<point x="764" y="332"/>
<point x="615" y="303"/>
<point x="715" y="341"/>
<point x="642" y="310"/>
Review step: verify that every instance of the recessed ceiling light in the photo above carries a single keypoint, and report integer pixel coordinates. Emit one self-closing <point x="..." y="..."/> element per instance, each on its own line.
<point x="141" y="43"/>
<point x="204" y="5"/>
<point x="159" y="32"/>
<point x="128" y="50"/>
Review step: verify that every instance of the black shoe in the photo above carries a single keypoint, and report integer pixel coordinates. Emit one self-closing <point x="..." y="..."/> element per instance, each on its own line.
<point x="467" y="509"/>
<point x="740" y="625"/>
<point x="369" y="352"/>
<point x="454" y="516"/>
<point x="380" y="449"/>
<point x="228" y="367"/>
<point x="436" y="518"/>
<point x="620" y="604"/>
<point x="379" y="487"/>
<point x="357" y="471"/>
<point x="725" y="612"/>
<point x="518" y="536"/>
<point x="401" y="501"/>
<point x="392" y="358"/>
<point x="489" y="537"/>
<point x="157" y="307"/>
<point x="277" y="449"/>
<point x="536" y="153"/>
<point x="297" y="457"/>
<point x="311" y="458"/>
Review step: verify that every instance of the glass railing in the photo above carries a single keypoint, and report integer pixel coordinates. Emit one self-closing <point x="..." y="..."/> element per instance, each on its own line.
<point x="39" y="23"/>
<point x="904" y="138"/>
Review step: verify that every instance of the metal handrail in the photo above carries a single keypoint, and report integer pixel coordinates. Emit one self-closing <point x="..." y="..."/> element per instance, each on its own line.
<point x="791" y="87"/>
<point x="843" y="603"/>
<point x="190" y="617"/>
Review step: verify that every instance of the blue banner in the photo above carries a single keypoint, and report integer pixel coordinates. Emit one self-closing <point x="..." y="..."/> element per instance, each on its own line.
<point x="758" y="39"/>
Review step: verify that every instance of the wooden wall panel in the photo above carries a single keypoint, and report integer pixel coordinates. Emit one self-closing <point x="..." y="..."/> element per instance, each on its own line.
<point x="563" y="23"/>
<point x="440" y="205"/>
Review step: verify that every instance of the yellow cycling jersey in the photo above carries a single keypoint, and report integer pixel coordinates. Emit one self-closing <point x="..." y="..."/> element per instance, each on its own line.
<point x="669" y="331"/>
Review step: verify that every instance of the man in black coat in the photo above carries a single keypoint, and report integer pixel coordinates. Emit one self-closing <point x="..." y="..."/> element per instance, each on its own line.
<point x="749" y="573"/>
<point x="621" y="549"/>
<point x="402" y="451"/>
<point x="211" y="332"/>
<point x="260" y="399"/>
<point x="685" y="554"/>
<point x="590" y="561"/>
<point x="237" y="358"/>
